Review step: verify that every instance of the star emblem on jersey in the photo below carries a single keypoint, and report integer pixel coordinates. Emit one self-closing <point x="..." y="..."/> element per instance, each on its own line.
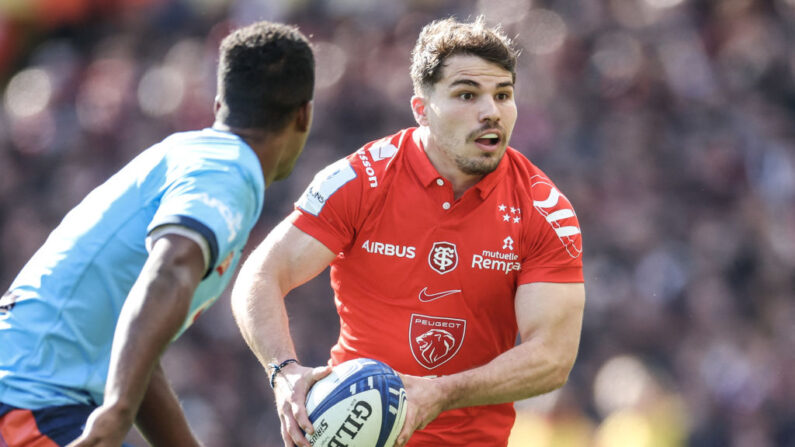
<point x="435" y="340"/>
<point x="510" y="214"/>
<point x="443" y="257"/>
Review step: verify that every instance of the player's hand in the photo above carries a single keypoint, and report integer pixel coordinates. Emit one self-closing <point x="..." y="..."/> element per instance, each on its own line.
<point x="424" y="400"/>
<point x="105" y="427"/>
<point x="291" y="386"/>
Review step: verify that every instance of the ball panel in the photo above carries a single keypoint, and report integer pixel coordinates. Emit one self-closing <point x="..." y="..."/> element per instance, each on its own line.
<point x="362" y="403"/>
<point x="399" y="413"/>
<point x="353" y="419"/>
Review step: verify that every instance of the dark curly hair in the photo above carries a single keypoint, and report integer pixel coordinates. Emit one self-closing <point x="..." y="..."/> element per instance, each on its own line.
<point x="266" y="71"/>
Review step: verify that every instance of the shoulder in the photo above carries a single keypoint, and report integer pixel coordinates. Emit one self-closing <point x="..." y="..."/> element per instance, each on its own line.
<point x="551" y="209"/>
<point x="531" y="180"/>
<point x="204" y="137"/>
<point x="212" y="153"/>
<point x="212" y="171"/>
<point x="209" y="147"/>
<point x="374" y="159"/>
<point x="364" y="169"/>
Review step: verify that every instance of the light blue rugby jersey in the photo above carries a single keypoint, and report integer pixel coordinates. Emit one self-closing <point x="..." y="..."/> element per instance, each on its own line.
<point x="55" y="341"/>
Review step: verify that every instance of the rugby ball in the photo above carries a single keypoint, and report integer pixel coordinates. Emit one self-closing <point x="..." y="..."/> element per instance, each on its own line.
<point x="361" y="403"/>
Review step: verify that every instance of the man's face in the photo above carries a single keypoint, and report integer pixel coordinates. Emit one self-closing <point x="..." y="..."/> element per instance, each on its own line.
<point x="470" y="112"/>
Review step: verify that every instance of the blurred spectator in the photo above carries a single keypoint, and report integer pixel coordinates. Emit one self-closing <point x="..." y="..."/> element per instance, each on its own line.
<point x="667" y="122"/>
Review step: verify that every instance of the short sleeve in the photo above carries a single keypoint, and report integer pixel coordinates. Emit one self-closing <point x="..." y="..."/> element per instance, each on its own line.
<point x="216" y="204"/>
<point x="553" y="238"/>
<point x="329" y="207"/>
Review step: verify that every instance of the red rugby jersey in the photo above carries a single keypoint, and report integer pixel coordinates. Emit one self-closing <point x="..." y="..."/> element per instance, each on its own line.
<point x="426" y="283"/>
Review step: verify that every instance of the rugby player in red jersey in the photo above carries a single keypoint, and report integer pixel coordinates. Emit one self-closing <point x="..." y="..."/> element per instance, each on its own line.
<point x="445" y="245"/>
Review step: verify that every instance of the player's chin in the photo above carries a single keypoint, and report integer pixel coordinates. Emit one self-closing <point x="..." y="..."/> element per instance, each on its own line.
<point x="481" y="165"/>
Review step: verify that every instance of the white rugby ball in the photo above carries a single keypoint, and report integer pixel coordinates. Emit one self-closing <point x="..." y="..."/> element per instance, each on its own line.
<point x="362" y="403"/>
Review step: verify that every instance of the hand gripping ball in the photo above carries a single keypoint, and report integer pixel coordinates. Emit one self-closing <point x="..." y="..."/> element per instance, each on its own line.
<point x="362" y="403"/>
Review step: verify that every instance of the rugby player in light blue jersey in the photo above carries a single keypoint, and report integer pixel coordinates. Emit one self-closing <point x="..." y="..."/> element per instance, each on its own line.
<point x="84" y="323"/>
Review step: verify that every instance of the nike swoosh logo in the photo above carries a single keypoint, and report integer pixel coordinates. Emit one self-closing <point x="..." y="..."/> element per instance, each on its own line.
<point x="426" y="297"/>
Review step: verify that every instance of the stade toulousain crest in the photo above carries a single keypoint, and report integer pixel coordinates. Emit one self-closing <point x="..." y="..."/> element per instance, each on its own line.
<point x="435" y="340"/>
<point x="443" y="257"/>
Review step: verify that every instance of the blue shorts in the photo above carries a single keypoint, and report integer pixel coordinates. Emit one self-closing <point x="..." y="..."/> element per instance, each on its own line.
<point x="46" y="427"/>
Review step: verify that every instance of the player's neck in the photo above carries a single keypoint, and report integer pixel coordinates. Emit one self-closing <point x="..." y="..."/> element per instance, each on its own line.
<point x="461" y="182"/>
<point x="266" y="146"/>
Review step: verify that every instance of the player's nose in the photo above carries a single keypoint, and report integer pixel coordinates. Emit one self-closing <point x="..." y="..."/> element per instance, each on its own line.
<point x="488" y="110"/>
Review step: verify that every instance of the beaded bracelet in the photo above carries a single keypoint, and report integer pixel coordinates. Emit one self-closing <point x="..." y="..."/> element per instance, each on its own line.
<point x="277" y="368"/>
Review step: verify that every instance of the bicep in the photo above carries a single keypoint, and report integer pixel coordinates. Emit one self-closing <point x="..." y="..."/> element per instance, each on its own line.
<point x="288" y="256"/>
<point x="178" y="256"/>
<point x="551" y="312"/>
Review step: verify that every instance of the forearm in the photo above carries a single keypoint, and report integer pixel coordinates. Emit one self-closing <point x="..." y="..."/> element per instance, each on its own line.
<point x="286" y="259"/>
<point x="258" y="307"/>
<point x="527" y="370"/>
<point x="160" y="418"/>
<point x="549" y="317"/>
<point x="155" y="309"/>
<point x="541" y="363"/>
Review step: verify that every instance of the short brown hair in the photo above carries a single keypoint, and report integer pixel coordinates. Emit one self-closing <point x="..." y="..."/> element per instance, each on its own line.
<point x="441" y="39"/>
<point x="266" y="71"/>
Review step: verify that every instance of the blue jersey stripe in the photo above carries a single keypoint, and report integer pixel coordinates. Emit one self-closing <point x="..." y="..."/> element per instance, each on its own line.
<point x="197" y="226"/>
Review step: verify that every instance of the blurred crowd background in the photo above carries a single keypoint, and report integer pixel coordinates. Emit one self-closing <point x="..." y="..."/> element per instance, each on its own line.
<point x="668" y="123"/>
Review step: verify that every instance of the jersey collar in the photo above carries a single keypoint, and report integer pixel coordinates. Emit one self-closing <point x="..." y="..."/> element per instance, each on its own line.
<point x="428" y="175"/>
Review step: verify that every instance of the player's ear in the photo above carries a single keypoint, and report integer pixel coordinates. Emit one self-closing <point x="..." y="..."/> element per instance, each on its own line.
<point x="303" y="117"/>
<point x="418" y="108"/>
<point x="216" y="105"/>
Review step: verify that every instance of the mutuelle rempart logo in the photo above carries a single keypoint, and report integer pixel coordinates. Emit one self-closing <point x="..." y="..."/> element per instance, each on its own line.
<point x="500" y="261"/>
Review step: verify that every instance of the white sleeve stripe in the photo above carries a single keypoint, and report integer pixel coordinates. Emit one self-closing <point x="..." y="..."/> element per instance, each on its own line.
<point x="193" y="235"/>
<point x="560" y="215"/>
<point x="567" y="231"/>
<point x="550" y="201"/>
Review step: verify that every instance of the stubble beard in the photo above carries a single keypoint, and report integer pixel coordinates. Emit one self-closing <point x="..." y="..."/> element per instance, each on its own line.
<point x="479" y="165"/>
<point x="483" y="163"/>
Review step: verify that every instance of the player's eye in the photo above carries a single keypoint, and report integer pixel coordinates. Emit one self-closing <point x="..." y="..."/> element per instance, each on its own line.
<point x="503" y="96"/>
<point x="466" y="96"/>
